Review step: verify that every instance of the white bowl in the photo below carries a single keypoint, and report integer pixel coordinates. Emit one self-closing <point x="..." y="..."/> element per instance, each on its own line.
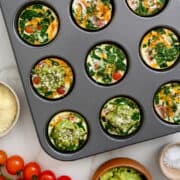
<point x="17" y="113"/>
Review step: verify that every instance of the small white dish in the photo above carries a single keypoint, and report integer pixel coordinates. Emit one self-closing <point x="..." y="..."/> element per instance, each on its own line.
<point x="17" y="110"/>
<point x="170" y="173"/>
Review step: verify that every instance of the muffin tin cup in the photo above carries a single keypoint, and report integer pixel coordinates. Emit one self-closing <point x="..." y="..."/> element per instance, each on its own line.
<point x="149" y="15"/>
<point x="89" y="30"/>
<point x="26" y="4"/>
<point x="113" y="44"/>
<point x="175" y="31"/>
<point x="87" y="97"/>
<point x="123" y="137"/>
<point x="162" y="85"/>
<point x="85" y="142"/>
<point x="72" y="84"/>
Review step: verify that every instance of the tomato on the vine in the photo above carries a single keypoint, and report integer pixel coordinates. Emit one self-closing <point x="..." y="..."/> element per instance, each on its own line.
<point x="3" y="158"/>
<point x="31" y="171"/>
<point x="64" y="178"/>
<point x="47" y="175"/>
<point x="15" y="165"/>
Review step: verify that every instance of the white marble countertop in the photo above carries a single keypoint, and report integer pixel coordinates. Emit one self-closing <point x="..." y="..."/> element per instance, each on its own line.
<point x="22" y="139"/>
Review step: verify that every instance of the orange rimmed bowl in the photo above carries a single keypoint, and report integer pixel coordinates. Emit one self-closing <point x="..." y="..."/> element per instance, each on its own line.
<point x="121" y="162"/>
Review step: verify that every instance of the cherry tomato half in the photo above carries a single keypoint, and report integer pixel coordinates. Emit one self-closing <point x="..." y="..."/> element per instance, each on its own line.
<point x="61" y="90"/>
<point x="47" y="175"/>
<point x="64" y="178"/>
<point x="3" y="158"/>
<point x="116" y="76"/>
<point x="14" y="164"/>
<point x="29" y="29"/>
<point x="39" y="27"/>
<point x="36" y="80"/>
<point x="31" y="171"/>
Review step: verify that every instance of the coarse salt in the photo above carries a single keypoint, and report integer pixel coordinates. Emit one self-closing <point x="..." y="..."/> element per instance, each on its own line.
<point x="172" y="157"/>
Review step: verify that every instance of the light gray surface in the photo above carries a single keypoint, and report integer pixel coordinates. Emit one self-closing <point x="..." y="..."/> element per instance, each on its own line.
<point x="146" y="152"/>
<point x="87" y="97"/>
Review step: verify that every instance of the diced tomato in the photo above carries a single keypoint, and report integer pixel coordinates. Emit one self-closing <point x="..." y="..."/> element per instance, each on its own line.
<point x="116" y="76"/>
<point x="61" y="90"/>
<point x="96" y="66"/>
<point x="39" y="27"/>
<point x="71" y="118"/>
<point x="99" y="22"/>
<point x="36" y="80"/>
<point x="162" y="111"/>
<point x="29" y="29"/>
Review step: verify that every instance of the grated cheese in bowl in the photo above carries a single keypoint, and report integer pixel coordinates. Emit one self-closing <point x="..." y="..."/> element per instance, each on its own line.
<point x="9" y="108"/>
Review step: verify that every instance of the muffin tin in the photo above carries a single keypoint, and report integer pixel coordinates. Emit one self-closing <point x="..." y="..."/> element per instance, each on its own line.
<point x="87" y="97"/>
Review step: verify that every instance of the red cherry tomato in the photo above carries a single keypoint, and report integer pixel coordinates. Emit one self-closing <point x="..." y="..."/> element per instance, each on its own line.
<point x="64" y="178"/>
<point x="116" y="76"/>
<point x="31" y="171"/>
<point x="36" y="80"/>
<point x="3" y="158"/>
<point x="61" y="90"/>
<point x="14" y="165"/>
<point x="29" y="29"/>
<point x="2" y="178"/>
<point x="47" y="175"/>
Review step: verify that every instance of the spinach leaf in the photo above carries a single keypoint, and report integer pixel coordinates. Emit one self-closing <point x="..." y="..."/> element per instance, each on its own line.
<point x="37" y="6"/>
<point x="29" y="15"/>
<point x="136" y="116"/>
<point x="120" y="65"/>
<point x="90" y="25"/>
<point x="156" y="99"/>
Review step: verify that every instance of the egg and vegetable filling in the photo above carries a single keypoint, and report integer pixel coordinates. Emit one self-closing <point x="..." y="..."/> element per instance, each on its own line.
<point x="160" y="48"/>
<point x="68" y="131"/>
<point x="106" y="64"/>
<point x="122" y="173"/>
<point x="121" y="116"/>
<point x="38" y="24"/>
<point x="52" y="78"/>
<point x="147" y="7"/>
<point x="92" y="14"/>
<point x="167" y="102"/>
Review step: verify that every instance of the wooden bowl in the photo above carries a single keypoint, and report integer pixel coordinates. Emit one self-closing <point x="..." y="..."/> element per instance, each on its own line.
<point x="121" y="162"/>
<point x="170" y="173"/>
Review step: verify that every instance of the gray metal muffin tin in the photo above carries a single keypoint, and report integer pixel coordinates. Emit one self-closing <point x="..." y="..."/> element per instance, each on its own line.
<point x="73" y="44"/>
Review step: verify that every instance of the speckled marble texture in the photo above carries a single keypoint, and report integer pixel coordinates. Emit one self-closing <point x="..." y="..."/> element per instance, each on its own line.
<point x="23" y="140"/>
